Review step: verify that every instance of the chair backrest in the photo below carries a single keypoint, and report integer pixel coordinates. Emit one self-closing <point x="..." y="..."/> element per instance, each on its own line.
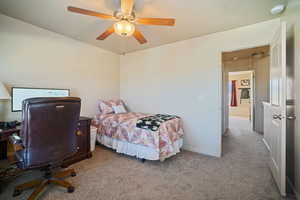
<point x="48" y="130"/>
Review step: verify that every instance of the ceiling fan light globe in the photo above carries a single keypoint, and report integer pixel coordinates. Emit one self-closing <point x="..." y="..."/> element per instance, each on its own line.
<point x="119" y="27"/>
<point x="124" y="28"/>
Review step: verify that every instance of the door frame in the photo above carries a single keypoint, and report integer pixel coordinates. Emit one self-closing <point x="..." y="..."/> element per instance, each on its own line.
<point x="252" y="99"/>
<point x="222" y="122"/>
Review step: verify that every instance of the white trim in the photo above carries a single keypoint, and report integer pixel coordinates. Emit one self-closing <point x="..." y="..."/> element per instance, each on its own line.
<point x="267" y="145"/>
<point x="220" y="107"/>
<point x="252" y="97"/>
<point x="241" y="72"/>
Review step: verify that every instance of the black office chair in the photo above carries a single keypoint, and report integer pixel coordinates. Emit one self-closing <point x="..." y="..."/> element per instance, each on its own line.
<point x="47" y="139"/>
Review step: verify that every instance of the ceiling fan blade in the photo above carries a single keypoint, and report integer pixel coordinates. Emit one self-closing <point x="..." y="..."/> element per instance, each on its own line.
<point x="107" y="33"/>
<point x="89" y="12"/>
<point x="139" y="37"/>
<point x="156" y="21"/>
<point x="127" y="6"/>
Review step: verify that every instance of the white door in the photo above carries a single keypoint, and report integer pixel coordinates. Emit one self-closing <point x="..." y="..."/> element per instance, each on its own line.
<point x="277" y="140"/>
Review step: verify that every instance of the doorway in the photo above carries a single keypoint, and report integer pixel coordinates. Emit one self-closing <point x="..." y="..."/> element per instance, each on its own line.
<point x="240" y="94"/>
<point x="246" y="75"/>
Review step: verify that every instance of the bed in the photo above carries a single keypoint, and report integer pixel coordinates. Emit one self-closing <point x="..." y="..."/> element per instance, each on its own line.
<point x="145" y="136"/>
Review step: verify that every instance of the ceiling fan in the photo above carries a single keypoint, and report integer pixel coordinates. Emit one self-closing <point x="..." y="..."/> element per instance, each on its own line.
<point x="126" y="21"/>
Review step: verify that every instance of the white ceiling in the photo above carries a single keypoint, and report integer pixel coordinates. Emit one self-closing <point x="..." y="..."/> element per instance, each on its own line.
<point x="193" y="18"/>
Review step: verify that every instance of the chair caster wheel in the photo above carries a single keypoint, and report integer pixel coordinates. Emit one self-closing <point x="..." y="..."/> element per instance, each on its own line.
<point x="17" y="192"/>
<point x="71" y="189"/>
<point x="73" y="174"/>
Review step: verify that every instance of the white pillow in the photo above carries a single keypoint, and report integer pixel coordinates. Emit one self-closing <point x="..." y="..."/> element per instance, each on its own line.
<point x="119" y="109"/>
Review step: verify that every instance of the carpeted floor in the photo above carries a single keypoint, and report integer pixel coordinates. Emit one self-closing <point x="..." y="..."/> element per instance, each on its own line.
<point x="241" y="174"/>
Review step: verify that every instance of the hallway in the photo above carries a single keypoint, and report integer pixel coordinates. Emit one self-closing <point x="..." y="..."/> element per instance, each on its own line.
<point x="239" y="124"/>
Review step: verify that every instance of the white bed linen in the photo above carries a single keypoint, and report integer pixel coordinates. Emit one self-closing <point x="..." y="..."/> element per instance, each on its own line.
<point x="137" y="150"/>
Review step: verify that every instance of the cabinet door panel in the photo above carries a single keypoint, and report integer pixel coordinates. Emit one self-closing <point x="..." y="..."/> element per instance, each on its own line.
<point x="83" y="142"/>
<point x="82" y="139"/>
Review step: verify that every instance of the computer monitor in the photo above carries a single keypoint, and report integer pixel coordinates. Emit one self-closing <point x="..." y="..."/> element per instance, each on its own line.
<point x="21" y="93"/>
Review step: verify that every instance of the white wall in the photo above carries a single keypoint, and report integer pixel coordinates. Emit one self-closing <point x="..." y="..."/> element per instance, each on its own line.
<point x="184" y="78"/>
<point x="34" y="57"/>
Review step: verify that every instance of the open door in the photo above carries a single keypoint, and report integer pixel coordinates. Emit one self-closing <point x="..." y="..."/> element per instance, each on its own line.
<point x="278" y="96"/>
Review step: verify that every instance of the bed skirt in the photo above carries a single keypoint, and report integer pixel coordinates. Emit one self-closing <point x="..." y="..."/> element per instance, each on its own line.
<point x="139" y="151"/>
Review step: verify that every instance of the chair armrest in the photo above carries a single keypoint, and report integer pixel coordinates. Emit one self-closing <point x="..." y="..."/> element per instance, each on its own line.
<point x="15" y="139"/>
<point x="17" y="142"/>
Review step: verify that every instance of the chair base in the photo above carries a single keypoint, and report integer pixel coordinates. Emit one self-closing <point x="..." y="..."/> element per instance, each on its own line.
<point x="42" y="183"/>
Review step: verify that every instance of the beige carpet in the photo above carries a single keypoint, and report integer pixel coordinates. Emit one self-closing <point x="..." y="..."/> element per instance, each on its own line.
<point x="241" y="174"/>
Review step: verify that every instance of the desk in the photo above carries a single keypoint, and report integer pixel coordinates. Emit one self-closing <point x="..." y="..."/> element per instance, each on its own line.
<point x="4" y="135"/>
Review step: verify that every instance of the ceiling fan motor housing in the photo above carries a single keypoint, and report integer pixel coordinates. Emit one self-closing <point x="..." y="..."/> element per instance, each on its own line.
<point x="121" y="16"/>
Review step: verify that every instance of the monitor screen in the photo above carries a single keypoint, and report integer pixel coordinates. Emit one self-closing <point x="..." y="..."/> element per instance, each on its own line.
<point x="19" y="94"/>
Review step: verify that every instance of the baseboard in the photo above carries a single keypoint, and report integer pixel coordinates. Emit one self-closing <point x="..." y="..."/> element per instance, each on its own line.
<point x="226" y="132"/>
<point x="293" y="188"/>
<point x="265" y="142"/>
<point x="196" y="150"/>
<point x="190" y="148"/>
